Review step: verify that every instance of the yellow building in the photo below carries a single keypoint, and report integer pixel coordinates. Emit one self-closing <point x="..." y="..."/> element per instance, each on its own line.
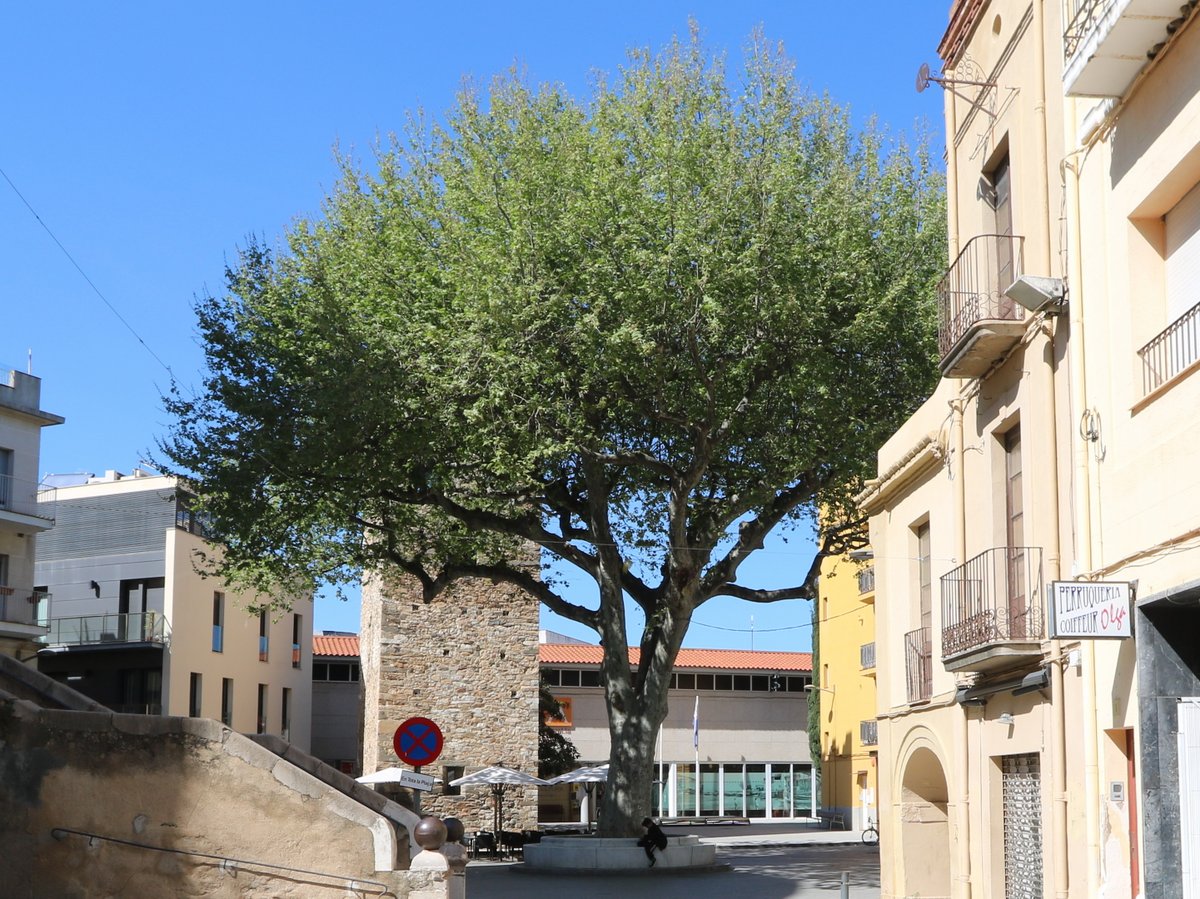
<point x="1035" y="524"/>
<point x="845" y="694"/>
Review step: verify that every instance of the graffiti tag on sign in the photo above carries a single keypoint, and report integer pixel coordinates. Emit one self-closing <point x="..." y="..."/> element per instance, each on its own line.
<point x="1090" y="609"/>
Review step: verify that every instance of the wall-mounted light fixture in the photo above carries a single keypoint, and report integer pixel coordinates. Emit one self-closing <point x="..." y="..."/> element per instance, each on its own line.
<point x="1007" y="719"/>
<point x="95" y="588"/>
<point x="809" y="688"/>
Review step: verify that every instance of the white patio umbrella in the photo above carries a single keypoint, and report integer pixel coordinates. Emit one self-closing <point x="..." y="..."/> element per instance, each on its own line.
<point x="386" y="776"/>
<point x="499" y="778"/>
<point x="589" y="776"/>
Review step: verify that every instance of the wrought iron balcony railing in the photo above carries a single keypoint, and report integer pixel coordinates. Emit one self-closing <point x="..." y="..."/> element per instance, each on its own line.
<point x="1172" y="351"/>
<point x="972" y="290"/>
<point x="996" y="597"/>
<point x="866" y="580"/>
<point x="868" y="732"/>
<point x="918" y="663"/>
<point x="1082" y="18"/>
<point x="866" y="655"/>
<point x="116" y="627"/>
<point x="27" y="498"/>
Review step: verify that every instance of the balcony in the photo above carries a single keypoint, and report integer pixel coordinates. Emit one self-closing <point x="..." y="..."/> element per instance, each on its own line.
<point x="1172" y="352"/>
<point x="117" y="628"/>
<point x="992" y="610"/>
<point x="1108" y="42"/>
<point x="918" y="664"/>
<point x="866" y="656"/>
<point x="24" y="613"/>
<point x="977" y="323"/>
<point x="866" y="580"/>
<point x="26" y="505"/>
<point x="868" y="732"/>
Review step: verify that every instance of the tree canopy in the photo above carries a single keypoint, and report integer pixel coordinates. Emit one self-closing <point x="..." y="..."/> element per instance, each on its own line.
<point x="636" y="333"/>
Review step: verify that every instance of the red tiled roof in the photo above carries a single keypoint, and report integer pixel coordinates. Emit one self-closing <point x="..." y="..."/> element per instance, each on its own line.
<point x="734" y="659"/>
<point x="334" y="646"/>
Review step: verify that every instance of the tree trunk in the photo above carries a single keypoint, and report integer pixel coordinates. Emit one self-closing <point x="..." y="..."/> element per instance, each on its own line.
<point x="628" y="797"/>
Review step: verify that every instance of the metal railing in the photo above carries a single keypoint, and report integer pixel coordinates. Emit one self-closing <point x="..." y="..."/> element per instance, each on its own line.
<point x="27" y="498"/>
<point x="1082" y="18"/>
<point x="868" y="732"/>
<point x="116" y="627"/>
<point x="25" y="606"/>
<point x="972" y="290"/>
<point x="1171" y="351"/>
<point x="866" y="655"/>
<point x="995" y="597"/>
<point x="918" y="664"/>
<point x="866" y="580"/>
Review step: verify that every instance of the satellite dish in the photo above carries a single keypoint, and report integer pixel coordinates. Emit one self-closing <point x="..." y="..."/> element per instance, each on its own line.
<point x="922" y="77"/>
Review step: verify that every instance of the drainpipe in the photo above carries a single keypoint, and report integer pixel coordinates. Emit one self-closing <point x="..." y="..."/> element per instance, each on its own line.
<point x="1083" y="509"/>
<point x="1058" y="708"/>
<point x="963" y="786"/>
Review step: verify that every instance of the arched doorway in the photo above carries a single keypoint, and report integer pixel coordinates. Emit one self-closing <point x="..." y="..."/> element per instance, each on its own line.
<point x="925" y="827"/>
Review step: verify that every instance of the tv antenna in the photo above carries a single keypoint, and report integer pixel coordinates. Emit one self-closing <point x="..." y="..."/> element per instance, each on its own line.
<point x="924" y="76"/>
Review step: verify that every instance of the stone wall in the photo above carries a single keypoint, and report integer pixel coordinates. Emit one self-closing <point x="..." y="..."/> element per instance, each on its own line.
<point x="469" y="662"/>
<point x="96" y="804"/>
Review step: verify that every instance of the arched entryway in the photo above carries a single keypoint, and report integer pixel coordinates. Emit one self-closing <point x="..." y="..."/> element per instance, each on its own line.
<point x="925" y="827"/>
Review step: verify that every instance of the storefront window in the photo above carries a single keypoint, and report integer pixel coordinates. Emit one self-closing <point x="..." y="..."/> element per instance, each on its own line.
<point x="802" y="791"/>
<point x="685" y="790"/>
<point x="781" y="791"/>
<point x="756" y="791"/>
<point x="709" y="790"/>
<point x="735" y="802"/>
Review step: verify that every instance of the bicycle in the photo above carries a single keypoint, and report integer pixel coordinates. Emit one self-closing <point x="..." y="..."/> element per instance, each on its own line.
<point x="870" y="834"/>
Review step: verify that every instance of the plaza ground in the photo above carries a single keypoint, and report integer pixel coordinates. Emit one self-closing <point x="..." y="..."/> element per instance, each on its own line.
<point x="766" y="861"/>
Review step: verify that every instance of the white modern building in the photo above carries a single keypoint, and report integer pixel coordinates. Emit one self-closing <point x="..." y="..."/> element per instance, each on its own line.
<point x="23" y="610"/>
<point x="138" y="627"/>
<point x="738" y="718"/>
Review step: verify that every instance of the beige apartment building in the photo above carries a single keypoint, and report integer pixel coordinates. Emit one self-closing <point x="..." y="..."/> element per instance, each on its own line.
<point x="24" y="611"/>
<point x="137" y="627"/>
<point x="1035" y="525"/>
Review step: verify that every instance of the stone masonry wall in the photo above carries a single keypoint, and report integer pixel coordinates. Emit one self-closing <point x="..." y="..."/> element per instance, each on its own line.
<point x="469" y="662"/>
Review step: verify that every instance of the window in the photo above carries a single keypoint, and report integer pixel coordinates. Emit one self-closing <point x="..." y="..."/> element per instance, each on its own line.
<point x="6" y="475"/>
<point x="264" y="626"/>
<point x="227" y="701"/>
<point x="137" y="601"/>
<point x="296" y="631"/>
<point x="195" y="693"/>
<point x="1018" y="602"/>
<point x="285" y="716"/>
<point x="998" y="196"/>
<point x="339" y="672"/>
<point x="262" y="708"/>
<point x="449" y="773"/>
<point x="570" y="677"/>
<point x="218" y="640"/>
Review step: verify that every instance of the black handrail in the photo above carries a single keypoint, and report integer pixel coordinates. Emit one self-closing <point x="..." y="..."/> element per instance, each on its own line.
<point x="353" y="883"/>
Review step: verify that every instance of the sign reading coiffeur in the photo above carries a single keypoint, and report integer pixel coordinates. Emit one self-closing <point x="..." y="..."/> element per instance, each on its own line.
<point x="1090" y="609"/>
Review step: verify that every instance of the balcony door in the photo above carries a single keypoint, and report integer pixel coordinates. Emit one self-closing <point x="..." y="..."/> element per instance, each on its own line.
<point x="1018" y="601"/>
<point x="1000" y="200"/>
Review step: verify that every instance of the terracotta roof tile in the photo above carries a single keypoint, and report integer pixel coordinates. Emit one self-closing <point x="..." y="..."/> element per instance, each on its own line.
<point x="334" y="646"/>
<point x="732" y="659"/>
<point x="586" y="654"/>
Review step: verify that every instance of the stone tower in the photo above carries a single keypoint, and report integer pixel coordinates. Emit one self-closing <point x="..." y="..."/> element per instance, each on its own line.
<point x="468" y="661"/>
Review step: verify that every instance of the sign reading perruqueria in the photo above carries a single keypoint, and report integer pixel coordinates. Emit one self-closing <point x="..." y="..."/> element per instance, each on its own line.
<point x="1090" y="609"/>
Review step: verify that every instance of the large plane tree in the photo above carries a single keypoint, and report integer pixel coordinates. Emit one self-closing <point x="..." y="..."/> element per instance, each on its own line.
<point x="634" y="334"/>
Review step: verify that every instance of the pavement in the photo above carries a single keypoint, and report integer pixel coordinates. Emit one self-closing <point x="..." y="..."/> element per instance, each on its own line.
<point x="764" y="861"/>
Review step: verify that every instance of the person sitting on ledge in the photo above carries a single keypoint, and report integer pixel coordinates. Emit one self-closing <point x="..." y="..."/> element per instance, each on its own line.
<point x="654" y="839"/>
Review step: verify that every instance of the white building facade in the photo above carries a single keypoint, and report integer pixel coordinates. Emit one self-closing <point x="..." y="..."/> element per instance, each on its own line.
<point x="23" y="611"/>
<point x="139" y="628"/>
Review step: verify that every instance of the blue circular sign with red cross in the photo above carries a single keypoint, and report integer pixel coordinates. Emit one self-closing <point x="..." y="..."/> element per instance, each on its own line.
<point x="418" y="741"/>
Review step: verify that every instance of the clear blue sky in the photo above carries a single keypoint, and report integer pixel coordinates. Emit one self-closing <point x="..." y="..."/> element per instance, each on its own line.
<point x="153" y="138"/>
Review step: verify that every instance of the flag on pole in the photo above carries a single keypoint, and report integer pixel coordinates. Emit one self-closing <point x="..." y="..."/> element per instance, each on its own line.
<point x="696" y="725"/>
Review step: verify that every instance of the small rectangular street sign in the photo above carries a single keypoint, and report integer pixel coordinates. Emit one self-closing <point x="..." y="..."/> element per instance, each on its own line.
<point x="415" y="781"/>
<point x="1090" y="609"/>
